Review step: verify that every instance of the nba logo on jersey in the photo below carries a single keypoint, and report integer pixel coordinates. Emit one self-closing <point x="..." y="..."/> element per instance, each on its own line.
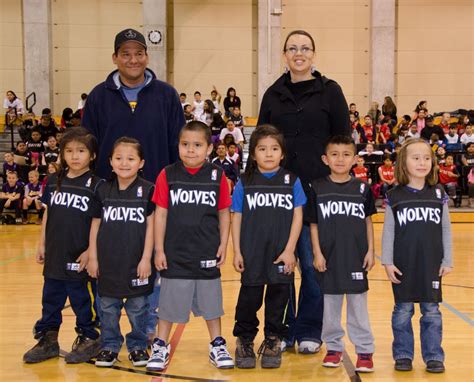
<point x="362" y="188"/>
<point x="435" y="284"/>
<point x="139" y="192"/>
<point x="214" y="175"/>
<point x="287" y="179"/>
<point x="88" y="183"/>
<point x="438" y="193"/>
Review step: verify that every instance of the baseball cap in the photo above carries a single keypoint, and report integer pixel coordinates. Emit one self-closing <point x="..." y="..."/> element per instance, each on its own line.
<point x="429" y="117"/>
<point x="129" y="35"/>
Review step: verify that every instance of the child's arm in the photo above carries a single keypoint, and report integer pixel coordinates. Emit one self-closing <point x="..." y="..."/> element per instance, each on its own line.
<point x="369" y="259"/>
<point x="224" y="226"/>
<point x="144" y="266"/>
<point x="447" y="262"/>
<point x="288" y="254"/>
<point x="238" y="261"/>
<point x="161" y="214"/>
<point x="388" y="237"/>
<point x="319" y="262"/>
<point x="41" y="245"/>
<point x="93" y="264"/>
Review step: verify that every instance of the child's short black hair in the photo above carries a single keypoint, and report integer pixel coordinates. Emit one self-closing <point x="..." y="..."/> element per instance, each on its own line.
<point x="182" y="95"/>
<point x="197" y="126"/>
<point x="340" y="140"/>
<point x="231" y="144"/>
<point x="352" y="104"/>
<point x="197" y="92"/>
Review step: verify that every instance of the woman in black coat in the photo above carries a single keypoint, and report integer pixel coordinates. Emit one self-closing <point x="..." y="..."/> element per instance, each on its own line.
<point x="308" y="109"/>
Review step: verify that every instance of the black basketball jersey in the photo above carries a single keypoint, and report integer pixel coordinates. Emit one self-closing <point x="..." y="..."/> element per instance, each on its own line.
<point x="70" y="212"/>
<point x="121" y="238"/>
<point x="267" y="214"/>
<point x="418" y="245"/>
<point x="51" y="156"/>
<point x="340" y="210"/>
<point x="192" y="228"/>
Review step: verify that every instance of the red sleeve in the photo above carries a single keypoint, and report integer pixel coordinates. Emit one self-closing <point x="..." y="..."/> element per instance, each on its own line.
<point x="160" y="196"/>
<point x="224" y="194"/>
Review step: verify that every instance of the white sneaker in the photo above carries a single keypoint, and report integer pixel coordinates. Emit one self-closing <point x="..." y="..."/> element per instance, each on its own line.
<point x="160" y="356"/>
<point x="219" y="355"/>
<point x="283" y="345"/>
<point x="309" y="347"/>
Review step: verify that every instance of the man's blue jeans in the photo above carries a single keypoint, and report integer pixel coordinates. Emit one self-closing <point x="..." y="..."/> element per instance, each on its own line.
<point x="431" y="331"/>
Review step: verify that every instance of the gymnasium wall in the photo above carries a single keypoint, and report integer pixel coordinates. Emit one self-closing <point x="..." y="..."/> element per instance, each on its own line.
<point x="213" y="42"/>
<point x="11" y="49"/>
<point x="83" y="35"/>
<point x="435" y="54"/>
<point x="341" y="29"/>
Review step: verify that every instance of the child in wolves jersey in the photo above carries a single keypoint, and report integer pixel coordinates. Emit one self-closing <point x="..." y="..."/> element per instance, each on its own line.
<point x="191" y="232"/>
<point x="267" y="205"/>
<point x="11" y="195"/>
<point x="33" y="193"/>
<point x="64" y="250"/>
<point x="339" y="212"/>
<point x="121" y="253"/>
<point x="416" y="253"/>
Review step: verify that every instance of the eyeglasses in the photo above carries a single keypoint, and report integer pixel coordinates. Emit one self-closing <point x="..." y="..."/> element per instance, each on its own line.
<point x="292" y="50"/>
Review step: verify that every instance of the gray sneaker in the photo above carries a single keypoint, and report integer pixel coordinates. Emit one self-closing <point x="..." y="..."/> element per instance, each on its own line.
<point x="46" y="348"/>
<point x="244" y="354"/>
<point x="83" y="349"/>
<point x="270" y="351"/>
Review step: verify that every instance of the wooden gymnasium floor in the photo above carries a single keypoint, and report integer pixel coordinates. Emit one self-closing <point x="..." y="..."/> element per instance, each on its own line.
<point x="20" y="294"/>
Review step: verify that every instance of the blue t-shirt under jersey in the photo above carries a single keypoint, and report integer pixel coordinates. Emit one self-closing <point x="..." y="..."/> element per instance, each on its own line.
<point x="238" y="194"/>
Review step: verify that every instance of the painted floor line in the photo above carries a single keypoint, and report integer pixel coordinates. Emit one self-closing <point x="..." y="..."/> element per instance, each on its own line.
<point x="461" y="315"/>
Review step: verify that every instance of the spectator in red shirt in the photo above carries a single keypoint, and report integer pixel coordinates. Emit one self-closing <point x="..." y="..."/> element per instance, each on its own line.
<point x="448" y="177"/>
<point x="361" y="172"/>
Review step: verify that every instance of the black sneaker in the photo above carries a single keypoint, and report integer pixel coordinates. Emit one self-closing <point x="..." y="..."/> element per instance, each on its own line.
<point x="106" y="358"/>
<point x="139" y="357"/>
<point x="83" y="349"/>
<point x="46" y="348"/>
<point x="403" y="364"/>
<point x="270" y="350"/>
<point x="244" y="355"/>
<point x="435" y="367"/>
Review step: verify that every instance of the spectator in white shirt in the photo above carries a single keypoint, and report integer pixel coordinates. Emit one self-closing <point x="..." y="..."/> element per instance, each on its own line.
<point x="230" y="129"/>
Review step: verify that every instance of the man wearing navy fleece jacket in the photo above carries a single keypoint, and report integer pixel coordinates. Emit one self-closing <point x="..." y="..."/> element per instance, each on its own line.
<point x="132" y="102"/>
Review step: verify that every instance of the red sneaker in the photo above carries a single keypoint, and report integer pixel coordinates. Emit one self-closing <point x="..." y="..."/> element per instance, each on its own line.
<point x="364" y="363"/>
<point x="332" y="359"/>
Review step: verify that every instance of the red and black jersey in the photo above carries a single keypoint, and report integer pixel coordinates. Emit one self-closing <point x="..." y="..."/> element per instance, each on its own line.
<point x="192" y="227"/>
<point x="361" y="173"/>
<point x="444" y="177"/>
<point x="387" y="172"/>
